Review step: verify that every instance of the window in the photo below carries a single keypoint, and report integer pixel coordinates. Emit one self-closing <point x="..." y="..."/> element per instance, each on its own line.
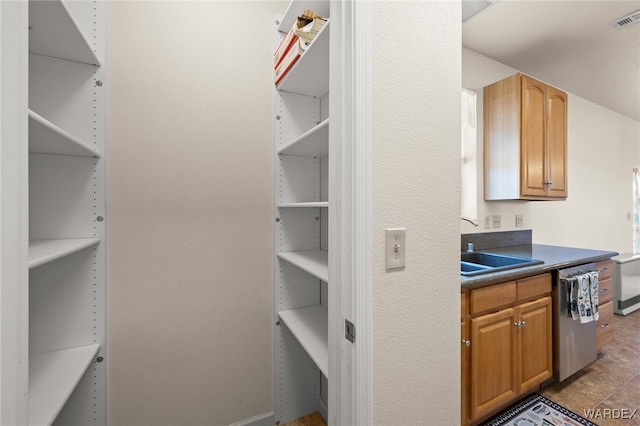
<point x="469" y="179"/>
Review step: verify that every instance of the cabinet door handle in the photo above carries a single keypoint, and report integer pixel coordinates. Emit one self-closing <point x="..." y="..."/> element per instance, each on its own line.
<point x="548" y="182"/>
<point x="466" y="343"/>
<point x="518" y="324"/>
<point x="524" y="323"/>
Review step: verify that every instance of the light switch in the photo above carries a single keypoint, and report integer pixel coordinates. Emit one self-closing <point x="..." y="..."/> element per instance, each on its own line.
<point x="395" y="247"/>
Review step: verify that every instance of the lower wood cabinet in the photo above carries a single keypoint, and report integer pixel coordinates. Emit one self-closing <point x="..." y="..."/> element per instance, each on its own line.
<point x="464" y="360"/>
<point x="604" y="325"/>
<point x="508" y="351"/>
<point x="493" y="364"/>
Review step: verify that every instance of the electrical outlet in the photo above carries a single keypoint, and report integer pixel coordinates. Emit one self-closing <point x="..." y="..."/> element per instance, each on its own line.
<point x="519" y="221"/>
<point x="496" y="221"/>
<point x="487" y="222"/>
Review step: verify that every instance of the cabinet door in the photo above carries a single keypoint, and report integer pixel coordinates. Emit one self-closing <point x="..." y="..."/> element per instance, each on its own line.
<point x="604" y="330"/>
<point x="492" y="361"/>
<point x="534" y="351"/>
<point x="556" y="143"/>
<point x="464" y="373"/>
<point x="533" y="162"/>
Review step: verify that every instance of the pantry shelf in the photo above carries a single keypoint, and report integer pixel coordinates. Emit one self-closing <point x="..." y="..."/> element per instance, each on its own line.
<point x="47" y="138"/>
<point x="309" y="326"/>
<point x="313" y="143"/>
<point x="52" y="378"/>
<point x="315" y="262"/>
<point x="45" y="251"/>
<point x="310" y="74"/>
<point x="54" y="32"/>
<point x="305" y="205"/>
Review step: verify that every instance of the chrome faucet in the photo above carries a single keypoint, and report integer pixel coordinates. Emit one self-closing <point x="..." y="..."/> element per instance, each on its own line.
<point x="471" y="221"/>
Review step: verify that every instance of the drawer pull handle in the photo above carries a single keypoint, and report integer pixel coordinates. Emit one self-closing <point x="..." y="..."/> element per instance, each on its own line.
<point x="605" y="325"/>
<point x="604" y="290"/>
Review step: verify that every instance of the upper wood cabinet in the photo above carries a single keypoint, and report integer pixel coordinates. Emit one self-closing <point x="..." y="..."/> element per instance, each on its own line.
<point x="525" y="140"/>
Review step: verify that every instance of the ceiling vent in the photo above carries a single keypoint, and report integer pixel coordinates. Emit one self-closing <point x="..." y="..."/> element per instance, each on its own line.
<point x="627" y="20"/>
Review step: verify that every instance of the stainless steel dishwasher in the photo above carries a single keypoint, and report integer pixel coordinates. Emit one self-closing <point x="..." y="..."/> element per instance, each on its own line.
<point x="574" y="342"/>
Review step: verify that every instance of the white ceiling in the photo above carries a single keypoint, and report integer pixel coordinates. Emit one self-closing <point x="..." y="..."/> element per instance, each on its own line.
<point x="568" y="44"/>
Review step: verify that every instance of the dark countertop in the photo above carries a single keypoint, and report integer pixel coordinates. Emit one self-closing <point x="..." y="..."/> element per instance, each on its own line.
<point x="554" y="257"/>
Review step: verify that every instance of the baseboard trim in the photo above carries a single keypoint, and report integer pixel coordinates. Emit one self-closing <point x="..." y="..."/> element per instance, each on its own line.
<point x="323" y="410"/>
<point x="264" y="419"/>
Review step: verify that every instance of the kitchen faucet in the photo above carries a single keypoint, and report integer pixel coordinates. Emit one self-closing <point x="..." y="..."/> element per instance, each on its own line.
<point x="471" y="221"/>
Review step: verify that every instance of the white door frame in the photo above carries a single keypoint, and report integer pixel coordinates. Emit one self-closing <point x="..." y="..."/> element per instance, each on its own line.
<point x="350" y="218"/>
<point x="14" y="213"/>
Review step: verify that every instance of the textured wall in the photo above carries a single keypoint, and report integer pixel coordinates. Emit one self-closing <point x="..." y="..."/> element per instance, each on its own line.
<point x="602" y="149"/>
<point x="416" y="184"/>
<point x="190" y="253"/>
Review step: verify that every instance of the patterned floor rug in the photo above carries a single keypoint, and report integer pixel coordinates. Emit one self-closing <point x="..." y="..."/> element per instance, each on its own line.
<point x="536" y="410"/>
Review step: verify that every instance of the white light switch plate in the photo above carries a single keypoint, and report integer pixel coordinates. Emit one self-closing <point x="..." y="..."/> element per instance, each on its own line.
<point x="395" y="247"/>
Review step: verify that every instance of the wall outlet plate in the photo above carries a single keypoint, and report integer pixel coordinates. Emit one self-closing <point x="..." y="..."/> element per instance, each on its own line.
<point x="395" y="248"/>
<point x="519" y="221"/>
<point x="497" y="221"/>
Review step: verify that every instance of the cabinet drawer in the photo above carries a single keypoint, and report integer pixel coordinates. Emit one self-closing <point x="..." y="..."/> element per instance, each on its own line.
<point x="531" y="287"/>
<point x="493" y="297"/>
<point x="606" y="291"/>
<point x="604" y="325"/>
<point x="606" y="269"/>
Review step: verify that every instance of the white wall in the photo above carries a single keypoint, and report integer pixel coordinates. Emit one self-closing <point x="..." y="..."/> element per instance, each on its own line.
<point x="602" y="148"/>
<point x="189" y="213"/>
<point x="416" y="184"/>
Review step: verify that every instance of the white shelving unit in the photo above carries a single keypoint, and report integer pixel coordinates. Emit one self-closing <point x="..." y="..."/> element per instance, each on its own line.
<point x="60" y="29"/>
<point x="308" y="327"/>
<point x="67" y="284"/>
<point x="315" y="262"/>
<point x="47" y="138"/>
<point x="54" y="376"/>
<point x="310" y="75"/>
<point x="301" y="118"/>
<point x="45" y="251"/>
<point x="306" y="205"/>
<point x="314" y="143"/>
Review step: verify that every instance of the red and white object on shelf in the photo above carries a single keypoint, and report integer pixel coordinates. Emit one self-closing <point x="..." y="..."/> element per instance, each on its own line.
<point x="286" y="43"/>
<point x="297" y="40"/>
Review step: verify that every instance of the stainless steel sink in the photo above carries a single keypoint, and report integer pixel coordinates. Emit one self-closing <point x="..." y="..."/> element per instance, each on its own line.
<point x="476" y="263"/>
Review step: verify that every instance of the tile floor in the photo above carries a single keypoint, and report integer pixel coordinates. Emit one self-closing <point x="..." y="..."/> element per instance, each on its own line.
<point x="612" y="382"/>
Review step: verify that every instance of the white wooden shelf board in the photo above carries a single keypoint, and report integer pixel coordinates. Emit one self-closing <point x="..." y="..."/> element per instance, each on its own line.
<point x="47" y="138"/>
<point x="315" y="262"/>
<point x="314" y="143"/>
<point x="52" y="378"/>
<point x="53" y="32"/>
<point x="295" y="9"/>
<point x="306" y="204"/>
<point x="45" y="251"/>
<point x="310" y="74"/>
<point x="309" y="326"/>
